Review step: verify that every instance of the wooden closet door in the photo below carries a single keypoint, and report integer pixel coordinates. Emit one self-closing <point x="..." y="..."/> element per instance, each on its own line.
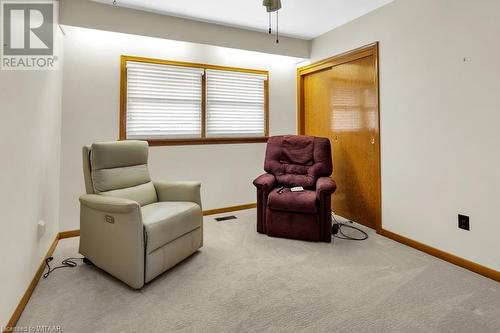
<point x="341" y="103"/>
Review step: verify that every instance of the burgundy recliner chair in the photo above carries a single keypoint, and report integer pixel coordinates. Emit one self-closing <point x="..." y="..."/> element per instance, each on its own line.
<point x="291" y="161"/>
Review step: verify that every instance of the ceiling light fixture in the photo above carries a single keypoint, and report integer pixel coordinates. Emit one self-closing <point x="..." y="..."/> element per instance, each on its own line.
<point x="273" y="6"/>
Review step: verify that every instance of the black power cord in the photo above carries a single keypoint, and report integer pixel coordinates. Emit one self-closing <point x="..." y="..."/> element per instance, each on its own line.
<point x="337" y="229"/>
<point x="68" y="262"/>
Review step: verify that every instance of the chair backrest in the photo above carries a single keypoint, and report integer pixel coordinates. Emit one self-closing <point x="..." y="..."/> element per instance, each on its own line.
<point x="119" y="169"/>
<point x="298" y="160"/>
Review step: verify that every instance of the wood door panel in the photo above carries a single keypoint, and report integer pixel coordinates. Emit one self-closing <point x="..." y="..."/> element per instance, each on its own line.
<point x="317" y="113"/>
<point x="341" y="103"/>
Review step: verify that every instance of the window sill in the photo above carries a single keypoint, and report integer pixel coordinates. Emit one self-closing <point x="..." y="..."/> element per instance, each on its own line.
<point x="205" y="141"/>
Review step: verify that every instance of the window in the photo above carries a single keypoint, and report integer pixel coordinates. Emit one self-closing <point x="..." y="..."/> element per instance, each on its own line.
<point x="168" y="103"/>
<point x="236" y="104"/>
<point x="163" y="102"/>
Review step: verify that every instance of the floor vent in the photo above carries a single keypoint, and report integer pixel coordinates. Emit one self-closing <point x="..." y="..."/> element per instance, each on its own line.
<point x="225" y="218"/>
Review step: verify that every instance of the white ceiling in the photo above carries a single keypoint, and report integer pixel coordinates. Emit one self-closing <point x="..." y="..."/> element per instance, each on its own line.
<point x="298" y="18"/>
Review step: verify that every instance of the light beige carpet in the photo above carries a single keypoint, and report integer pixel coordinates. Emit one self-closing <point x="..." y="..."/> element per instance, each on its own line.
<point x="241" y="281"/>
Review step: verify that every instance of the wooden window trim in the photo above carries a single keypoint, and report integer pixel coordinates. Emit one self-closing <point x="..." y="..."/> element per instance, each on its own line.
<point x="203" y="140"/>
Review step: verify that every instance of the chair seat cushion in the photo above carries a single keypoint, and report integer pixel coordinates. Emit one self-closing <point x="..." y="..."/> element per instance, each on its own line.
<point x="167" y="221"/>
<point x="297" y="202"/>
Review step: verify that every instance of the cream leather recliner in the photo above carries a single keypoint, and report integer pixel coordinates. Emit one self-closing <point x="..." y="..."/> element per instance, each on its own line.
<point x="131" y="227"/>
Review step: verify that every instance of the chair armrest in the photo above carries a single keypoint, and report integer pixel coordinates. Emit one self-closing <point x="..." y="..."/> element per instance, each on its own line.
<point x="109" y="204"/>
<point x="325" y="185"/>
<point x="178" y="191"/>
<point x="112" y="236"/>
<point x="265" y="182"/>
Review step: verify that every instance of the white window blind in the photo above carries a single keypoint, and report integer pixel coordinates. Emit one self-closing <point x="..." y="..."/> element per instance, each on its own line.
<point x="163" y="102"/>
<point x="235" y="104"/>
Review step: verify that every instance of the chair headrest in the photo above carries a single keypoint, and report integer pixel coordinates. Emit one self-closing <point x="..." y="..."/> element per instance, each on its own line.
<point x="298" y="160"/>
<point x="117" y="154"/>
<point x="297" y="149"/>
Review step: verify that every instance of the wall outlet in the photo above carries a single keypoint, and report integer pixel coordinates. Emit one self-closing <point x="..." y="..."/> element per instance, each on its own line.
<point x="463" y="222"/>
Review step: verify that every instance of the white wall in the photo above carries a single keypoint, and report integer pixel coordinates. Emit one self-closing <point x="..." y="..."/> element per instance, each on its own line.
<point x="30" y="133"/>
<point x="106" y="17"/>
<point x="91" y="113"/>
<point x="440" y="110"/>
